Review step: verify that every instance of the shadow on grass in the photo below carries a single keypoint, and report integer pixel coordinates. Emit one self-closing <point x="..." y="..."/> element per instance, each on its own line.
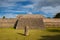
<point x="15" y="24"/>
<point x="21" y="34"/>
<point x="55" y="37"/>
<point x="53" y="30"/>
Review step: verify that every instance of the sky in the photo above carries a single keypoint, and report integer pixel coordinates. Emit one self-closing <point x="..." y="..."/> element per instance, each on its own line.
<point x="12" y="8"/>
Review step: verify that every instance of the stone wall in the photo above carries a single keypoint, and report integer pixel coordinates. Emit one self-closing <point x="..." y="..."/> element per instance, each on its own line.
<point x="31" y="22"/>
<point x="7" y="22"/>
<point x="51" y="22"/>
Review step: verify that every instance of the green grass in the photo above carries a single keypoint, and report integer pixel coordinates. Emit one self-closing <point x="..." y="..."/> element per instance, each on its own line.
<point x="34" y="34"/>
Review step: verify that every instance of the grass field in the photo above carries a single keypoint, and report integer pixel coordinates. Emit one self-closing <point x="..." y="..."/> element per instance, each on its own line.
<point x="34" y="34"/>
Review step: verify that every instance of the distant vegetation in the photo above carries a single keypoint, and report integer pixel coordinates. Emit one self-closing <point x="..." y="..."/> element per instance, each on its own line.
<point x="57" y="15"/>
<point x="3" y="17"/>
<point x="48" y="17"/>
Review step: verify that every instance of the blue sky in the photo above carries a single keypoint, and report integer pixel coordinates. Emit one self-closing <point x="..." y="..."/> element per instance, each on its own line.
<point x="12" y="8"/>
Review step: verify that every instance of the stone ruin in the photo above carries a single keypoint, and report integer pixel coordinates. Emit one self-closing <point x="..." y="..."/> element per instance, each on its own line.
<point x="33" y="21"/>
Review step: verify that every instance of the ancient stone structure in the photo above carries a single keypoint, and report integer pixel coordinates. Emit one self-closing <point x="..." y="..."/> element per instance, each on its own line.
<point x="33" y="21"/>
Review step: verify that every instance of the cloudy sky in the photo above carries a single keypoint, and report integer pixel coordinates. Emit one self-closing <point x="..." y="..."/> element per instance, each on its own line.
<point x="12" y="8"/>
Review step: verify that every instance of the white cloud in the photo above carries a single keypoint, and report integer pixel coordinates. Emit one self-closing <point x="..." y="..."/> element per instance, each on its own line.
<point x="29" y="6"/>
<point x="44" y="3"/>
<point x="29" y="13"/>
<point x="47" y="6"/>
<point x="15" y="0"/>
<point x="12" y="11"/>
<point x="52" y="10"/>
<point x="7" y="3"/>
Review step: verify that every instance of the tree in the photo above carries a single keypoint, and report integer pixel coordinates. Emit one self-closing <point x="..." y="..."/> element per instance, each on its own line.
<point x="3" y="17"/>
<point x="48" y="17"/>
<point x="57" y="15"/>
